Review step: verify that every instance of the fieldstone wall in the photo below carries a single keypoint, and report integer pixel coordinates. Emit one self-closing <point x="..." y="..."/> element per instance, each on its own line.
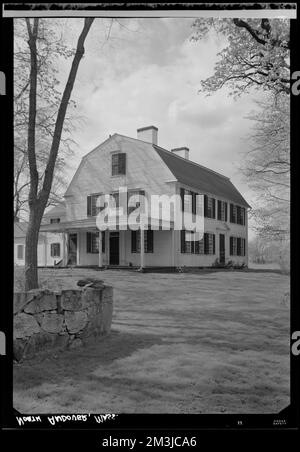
<point x="46" y="320"/>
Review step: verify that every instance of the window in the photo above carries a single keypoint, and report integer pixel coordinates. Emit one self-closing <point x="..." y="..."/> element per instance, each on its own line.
<point x="222" y="210"/>
<point x="209" y="243"/>
<point x="237" y="214"/>
<point x="92" y="209"/>
<point x="237" y="246"/>
<point x="136" y="241"/>
<point x="190" y="244"/>
<point x="55" y="249"/>
<point x="92" y="242"/>
<point x="133" y="193"/>
<point x="20" y="251"/>
<point x="209" y="207"/>
<point x="118" y="164"/>
<point x="233" y="213"/>
<point x="54" y="220"/>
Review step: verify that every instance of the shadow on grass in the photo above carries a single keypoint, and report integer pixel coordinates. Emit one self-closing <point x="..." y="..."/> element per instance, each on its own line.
<point x="77" y="364"/>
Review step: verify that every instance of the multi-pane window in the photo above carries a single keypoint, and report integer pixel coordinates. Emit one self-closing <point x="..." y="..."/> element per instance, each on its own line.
<point x="55" y="249"/>
<point x="237" y="214"/>
<point x="237" y="246"/>
<point x="134" y="203"/>
<point x="54" y="220"/>
<point x="92" y="208"/>
<point x="209" y="207"/>
<point x="118" y="164"/>
<point x="222" y="210"/>
<point x="190" y="244"/>
<point x="20" y="251"/>
<point x="92" y="242"/>
<point x="136" y="241"/>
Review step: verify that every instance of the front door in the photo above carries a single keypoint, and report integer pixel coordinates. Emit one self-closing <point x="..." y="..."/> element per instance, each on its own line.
<point x="114" y="248"/>
<point x="222" y="248"/>
<point x="72" y="249"/>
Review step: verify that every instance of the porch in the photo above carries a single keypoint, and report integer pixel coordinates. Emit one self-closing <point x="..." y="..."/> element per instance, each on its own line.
<point x="85" y="246"/>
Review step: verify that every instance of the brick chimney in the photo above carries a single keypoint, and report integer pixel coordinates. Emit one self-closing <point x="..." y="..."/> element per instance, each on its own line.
<point x="182" y="152"/>
<point x="148" y="134"/>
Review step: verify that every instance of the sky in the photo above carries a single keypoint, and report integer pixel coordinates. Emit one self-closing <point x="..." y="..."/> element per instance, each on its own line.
<point x="140" y="72"/>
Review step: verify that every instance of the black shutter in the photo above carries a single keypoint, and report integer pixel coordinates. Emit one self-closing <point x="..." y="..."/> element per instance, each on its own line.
<point x="244" y="247"/>
<point x="231" y="213"/>
<point x="88" y="242"/>
<point x="182" y="235"/>
<point x="205" y="205"/>
<point x="238" y="246"/>
<point x="197" y="247"/>
<point x="193" y="202"/>
<point x="231" y="246"/>
<point x="214" y="208"/>
<point x="122" y="163"/>
<point x="206" y="245"/>
<point x="133" y="241"/>
<point x="89" y="206"/>
<point x="103" y="241"/>
<point x="149" y="241"/>
<point x="182" y="198"/>
<point x="219" y="210"/>
<point x="243" y="216"/>
<point x="214" y="244"/>
<point x="225" y="211"/>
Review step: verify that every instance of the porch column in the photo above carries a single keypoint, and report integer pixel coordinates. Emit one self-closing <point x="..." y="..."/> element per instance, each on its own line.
<point x="142" y="252"/>
<point x="64" y="249"/>
<point x="173" y="248"/>
<point x="100" y="249"/>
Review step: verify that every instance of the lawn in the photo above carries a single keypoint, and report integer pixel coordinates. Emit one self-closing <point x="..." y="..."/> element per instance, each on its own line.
<point x="212" y="342"/>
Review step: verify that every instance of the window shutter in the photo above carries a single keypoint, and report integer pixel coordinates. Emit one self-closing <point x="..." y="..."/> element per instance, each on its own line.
<point x="133" y="241"/>
<point x="122" y="163"/>
<point x="182" y="235"/>
<point x="214" y="244"/>
<point x="193" y="203"/>
<point x="182" y="198"/>
<point x="197" y="247"/>
<point x="103" y="241"/>
<point x="205" y="205"/>
<point x="225" y="211"/>
<point x="231" y="244"/>
<point x="219" y="210"/>
<point x="238" y="246"/>
<point x="206" y="245"/>
<point x="244" y="247"/>
<point x="89" y="206"/>
<point x="214" y="208"/>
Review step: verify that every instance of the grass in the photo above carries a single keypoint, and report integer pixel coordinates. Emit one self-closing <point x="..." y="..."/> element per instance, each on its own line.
<point x="216" y="342"/>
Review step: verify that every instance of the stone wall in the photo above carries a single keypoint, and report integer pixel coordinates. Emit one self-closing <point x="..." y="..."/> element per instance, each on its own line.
<point x="45" y="320"/>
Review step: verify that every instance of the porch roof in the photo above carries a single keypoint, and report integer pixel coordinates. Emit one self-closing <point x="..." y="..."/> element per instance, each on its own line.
<point x="90" y="224"/>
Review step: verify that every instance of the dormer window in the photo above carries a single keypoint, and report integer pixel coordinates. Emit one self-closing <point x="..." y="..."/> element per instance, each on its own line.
<point x="118" y="164"/>
<point x="54" y="220"/>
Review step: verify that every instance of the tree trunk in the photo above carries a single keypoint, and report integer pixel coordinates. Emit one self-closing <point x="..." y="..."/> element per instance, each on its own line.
<point x="31" y="247"/>
<point x="37" y="201"/>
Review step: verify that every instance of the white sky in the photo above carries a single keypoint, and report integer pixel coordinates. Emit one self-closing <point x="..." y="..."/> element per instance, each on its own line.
<point x="148" y="73"/>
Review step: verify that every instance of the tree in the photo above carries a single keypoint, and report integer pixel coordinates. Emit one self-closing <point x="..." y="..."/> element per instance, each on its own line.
<point x="51" y="46"/>
<point x="39" y="191"/>
<point x="256" y="55"/>
<point x="266" y="167"/>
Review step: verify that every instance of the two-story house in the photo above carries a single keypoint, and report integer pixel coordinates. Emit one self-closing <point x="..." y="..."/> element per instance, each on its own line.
<point x="141" y="166"/>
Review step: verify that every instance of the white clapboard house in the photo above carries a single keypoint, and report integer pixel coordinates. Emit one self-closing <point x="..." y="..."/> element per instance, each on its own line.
<point x="141" y="166"/>
<point x="50" y="244"/>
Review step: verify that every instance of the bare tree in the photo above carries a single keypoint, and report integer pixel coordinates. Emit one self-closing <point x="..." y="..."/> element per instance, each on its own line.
<point x="39" y="192"/>
<point x="257" y="55"/>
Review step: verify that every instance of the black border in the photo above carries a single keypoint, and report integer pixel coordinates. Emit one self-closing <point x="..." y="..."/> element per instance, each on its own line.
<point x="190" y="424"/>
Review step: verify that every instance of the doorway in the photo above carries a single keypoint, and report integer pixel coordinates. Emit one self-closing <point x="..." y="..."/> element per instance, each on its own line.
<point x="114" y="253"/>
<point x="222" y="248"/>
<point x="72" y="249"/>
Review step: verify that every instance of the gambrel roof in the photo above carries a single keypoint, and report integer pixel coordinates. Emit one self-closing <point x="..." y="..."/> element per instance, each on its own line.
<point x="185" y="171"/>
<point x="199" y="177"/>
